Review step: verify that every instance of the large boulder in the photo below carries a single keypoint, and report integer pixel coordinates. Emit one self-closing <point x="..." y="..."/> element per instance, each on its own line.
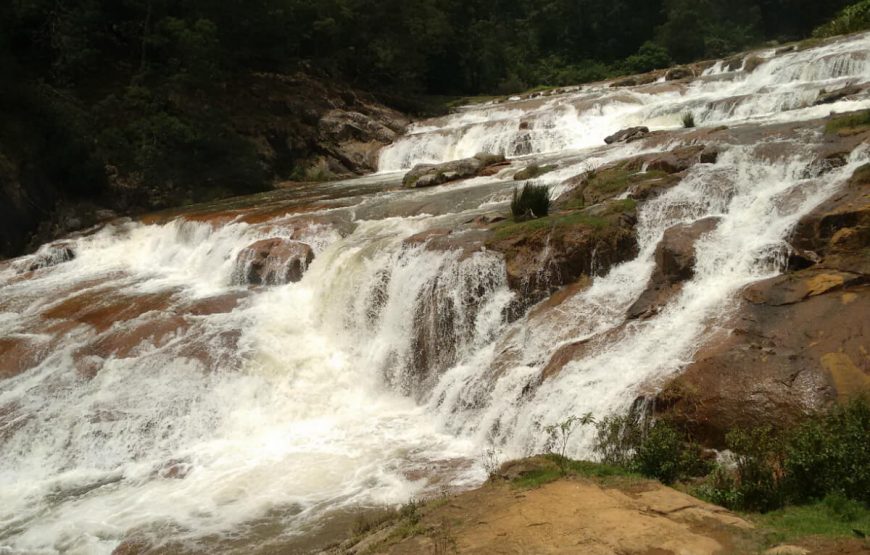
<point x="837" y="95"/>
<point x="797" y="342"/>
<point x="675" y="264"/>
<point x="540" y="259"/>
<point x="628" y="135"/>
<point x="272" y="262"/>
<point x="430" y="175"/>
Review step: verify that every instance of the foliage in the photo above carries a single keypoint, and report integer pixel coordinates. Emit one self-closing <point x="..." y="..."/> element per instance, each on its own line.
<point x="826" y="455"/>
<point x="558" y="435"/>
<point x="552" y="467"/>
<point x="532" y="201"/>
<point x="654" y="449"/>
<point x="688" y="120"/>
<point x="850" y="20"/>
<point x="830" y="454"/>
<point x="850" y="122"/>
<point x="834" y="516"/>
<point x="758" y="468"/>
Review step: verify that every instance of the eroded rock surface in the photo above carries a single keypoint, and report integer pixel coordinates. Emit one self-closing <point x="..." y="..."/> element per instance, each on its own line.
<point x="430" y="175"/>
<point x="272" y="262"/>
<point x="798" y="341"/>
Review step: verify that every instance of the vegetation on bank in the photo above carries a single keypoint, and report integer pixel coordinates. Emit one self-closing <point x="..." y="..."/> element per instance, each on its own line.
<point x="812" y="479"/>
<point x="851" y="19"/>
<point x="849" y="124"/>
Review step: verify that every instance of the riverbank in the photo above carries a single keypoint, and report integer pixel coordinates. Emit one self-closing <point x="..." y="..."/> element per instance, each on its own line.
<point x="529" y="506"/>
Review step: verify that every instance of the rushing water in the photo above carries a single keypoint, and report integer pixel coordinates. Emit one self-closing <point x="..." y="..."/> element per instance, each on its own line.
<point x="144" y="411"/>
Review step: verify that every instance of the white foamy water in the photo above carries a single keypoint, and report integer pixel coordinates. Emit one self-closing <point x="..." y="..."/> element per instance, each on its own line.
<point x="144" y="412"/>
<point x="783" y="88"/>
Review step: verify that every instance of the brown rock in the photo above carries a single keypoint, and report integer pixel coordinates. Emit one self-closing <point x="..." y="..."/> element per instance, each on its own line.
<point x="677" y="160"/>
<point x="678" y="73"/>
<point x="798" y="341"/>
<point x="430" y="175"/>
<point x="539" y="261"/>
<point x="837" y="95"/>
<point x="777" y="364"/>
<point x="272" y="262"/>
<point x="675" y="263"/>
<point x="628" y="135"/>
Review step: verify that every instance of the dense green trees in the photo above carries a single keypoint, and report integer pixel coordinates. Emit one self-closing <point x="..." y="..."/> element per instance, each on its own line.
<point x="139" y="88"/>
<point x="435" y="46"/>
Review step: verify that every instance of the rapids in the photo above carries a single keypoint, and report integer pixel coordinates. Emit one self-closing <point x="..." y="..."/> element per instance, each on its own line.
<point x="158" y="401"/>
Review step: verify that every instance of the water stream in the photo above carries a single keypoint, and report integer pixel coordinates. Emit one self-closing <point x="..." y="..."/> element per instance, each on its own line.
<point x="188" y="424"/>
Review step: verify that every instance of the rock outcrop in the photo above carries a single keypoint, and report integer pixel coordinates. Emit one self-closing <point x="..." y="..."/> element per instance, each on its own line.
<point x="430" y="175"/>
<point x="628" y="135"/>
<point x="675" y="264"/>
<point x="797" y="341"/>
<point x="272" y="262"/>
<point x="545" y="254"/>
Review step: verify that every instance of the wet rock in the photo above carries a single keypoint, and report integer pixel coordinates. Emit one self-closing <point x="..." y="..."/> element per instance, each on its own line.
<point x="539" y="260"/>
<point x="786" y="50"/>
<point x="778" y="363"/>
<point x="678" y="73"/>
<point x="677" y="160"/>
<point x="50" y="255"/>
<point x="430" y="175"/>
<point x="839" y="94"/>
<point x="272" y="262"/>
<point x="710" y="155"/>
<point x="752" y="62"/>
<point x="797" y="341"/>
<point x="627" y="82"/>
<point x="838" y="230"/>
<point x="675" y="264"/>
<point x="628" y="135"/>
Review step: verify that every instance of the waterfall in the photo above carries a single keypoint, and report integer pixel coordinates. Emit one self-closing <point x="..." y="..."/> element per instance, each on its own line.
<point x="159" y="397"/>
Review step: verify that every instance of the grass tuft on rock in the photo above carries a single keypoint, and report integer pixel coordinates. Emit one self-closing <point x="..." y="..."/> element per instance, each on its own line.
<point x="849" y="124"/>
<point x="688" y="120"/>
<point x="532" y="202"/>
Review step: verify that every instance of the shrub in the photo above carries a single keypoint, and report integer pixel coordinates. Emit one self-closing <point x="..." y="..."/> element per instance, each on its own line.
<point x="688" y="120"/>
<point x="650" y="56"/>
<point x="831" y="454"/>
<point x="758" y="473"/>
<point x="533" y="201"/>
<point x="659" y="455"/>
<point x="617" y="438"/>
<point x="852" y="19"/>
<point x="655" y="450"/>
<point x="560" y="434"/>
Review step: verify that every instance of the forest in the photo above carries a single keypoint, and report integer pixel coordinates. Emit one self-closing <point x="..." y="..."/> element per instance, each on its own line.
<point x="134" y="92"/>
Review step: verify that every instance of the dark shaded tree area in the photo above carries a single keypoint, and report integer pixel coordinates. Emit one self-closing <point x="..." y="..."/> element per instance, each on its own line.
<point x="432" y="46"/>
<point x="129" y="92"/>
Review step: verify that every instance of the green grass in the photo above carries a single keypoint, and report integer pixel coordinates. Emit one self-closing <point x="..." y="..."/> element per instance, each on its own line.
<point x="856" y="122"/>
<point x="835" y="517"/>
<point x="533" y="171"/>
<point x="549" y="471"/>
<point x="507" y="229"/>
<point x="617" y="180"/>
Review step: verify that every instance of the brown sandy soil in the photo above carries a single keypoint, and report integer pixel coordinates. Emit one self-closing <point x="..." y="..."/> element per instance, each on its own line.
<point x="567" y="516"/>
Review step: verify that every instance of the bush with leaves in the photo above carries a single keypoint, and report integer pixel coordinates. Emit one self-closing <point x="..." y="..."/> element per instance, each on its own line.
<point x="758" y="468"/>
<point x="831" y="454"/>
<point x="558" y="436"/>
<point x="654" y="449"/>
<point x="852" y="19"/>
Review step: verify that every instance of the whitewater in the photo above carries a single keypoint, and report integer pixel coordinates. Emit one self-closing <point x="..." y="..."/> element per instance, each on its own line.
<point x="244" y="429"/>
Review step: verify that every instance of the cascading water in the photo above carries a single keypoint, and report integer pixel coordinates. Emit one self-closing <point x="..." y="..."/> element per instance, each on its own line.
<point x="158" y="400"/>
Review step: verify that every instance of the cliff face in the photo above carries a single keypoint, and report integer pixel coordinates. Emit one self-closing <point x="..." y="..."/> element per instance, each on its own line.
<point x="239" y="137"/>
